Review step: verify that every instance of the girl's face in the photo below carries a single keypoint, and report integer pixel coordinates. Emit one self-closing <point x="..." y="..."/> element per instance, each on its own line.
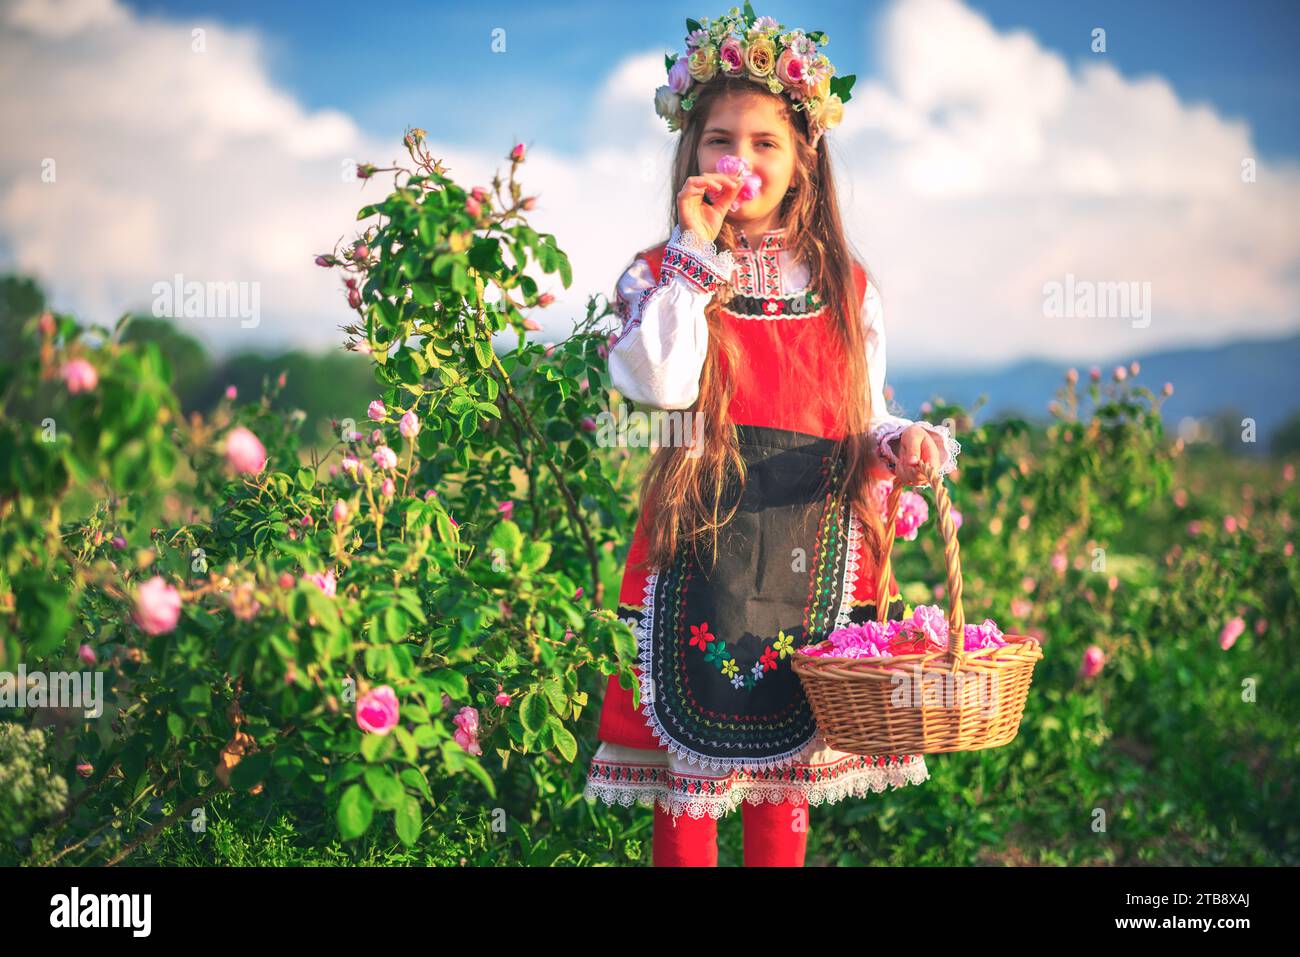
<point x="755" y="129"/>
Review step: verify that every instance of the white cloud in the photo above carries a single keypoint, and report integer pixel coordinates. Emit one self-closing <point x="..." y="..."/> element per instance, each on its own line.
<point x="978" y="166"/>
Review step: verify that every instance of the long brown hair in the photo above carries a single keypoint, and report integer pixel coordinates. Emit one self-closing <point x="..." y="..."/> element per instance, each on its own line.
<point x="686" y="491"/>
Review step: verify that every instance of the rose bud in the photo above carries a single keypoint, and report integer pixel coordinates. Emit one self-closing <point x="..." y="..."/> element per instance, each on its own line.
<point x="354" y="298"/>
<point x="545" y="299"/>
<point x="287" y="580"/>
<point x="529" y="203"/>
<point x="517" y="154"/>
<point x="325" y="261"/>
<point x="362" y="251"/>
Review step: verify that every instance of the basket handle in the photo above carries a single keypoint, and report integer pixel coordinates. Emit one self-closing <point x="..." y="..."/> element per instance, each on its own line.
<point x="952" y="558"/>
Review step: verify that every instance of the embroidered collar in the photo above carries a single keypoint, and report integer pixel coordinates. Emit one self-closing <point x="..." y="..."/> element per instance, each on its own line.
<point x="772" y="239"/>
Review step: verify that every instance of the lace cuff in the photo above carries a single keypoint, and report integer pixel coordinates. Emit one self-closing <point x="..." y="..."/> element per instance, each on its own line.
<point x="697" y="261"/>
<point x="888" y="431"/>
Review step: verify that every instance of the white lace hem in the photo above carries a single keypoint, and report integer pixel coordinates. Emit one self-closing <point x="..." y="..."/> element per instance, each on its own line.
<point x="872" y="780"/>
<point x="721" y="264"/>
<point x="889" y="431"/>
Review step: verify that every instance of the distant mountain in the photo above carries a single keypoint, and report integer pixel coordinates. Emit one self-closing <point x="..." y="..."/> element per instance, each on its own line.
<point x="1258" y="378"/>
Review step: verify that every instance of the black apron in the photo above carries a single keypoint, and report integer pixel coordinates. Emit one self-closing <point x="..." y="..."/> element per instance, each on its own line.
<point x="721" y="635"/>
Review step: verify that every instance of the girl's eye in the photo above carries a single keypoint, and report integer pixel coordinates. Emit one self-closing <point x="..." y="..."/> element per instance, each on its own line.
<point x="718" y="141"/>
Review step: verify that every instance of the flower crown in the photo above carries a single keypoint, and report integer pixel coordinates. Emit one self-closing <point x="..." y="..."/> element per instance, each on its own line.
<point x="758" y="49"/>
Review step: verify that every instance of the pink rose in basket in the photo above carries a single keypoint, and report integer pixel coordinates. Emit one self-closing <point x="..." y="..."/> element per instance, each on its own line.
<point x="730" y="165"/>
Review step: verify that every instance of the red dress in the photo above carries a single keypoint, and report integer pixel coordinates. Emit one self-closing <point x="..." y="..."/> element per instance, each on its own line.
<point x="690" y="747"/>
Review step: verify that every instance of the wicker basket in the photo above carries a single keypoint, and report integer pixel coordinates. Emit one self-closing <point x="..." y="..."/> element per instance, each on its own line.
<point x="951" y="700"/>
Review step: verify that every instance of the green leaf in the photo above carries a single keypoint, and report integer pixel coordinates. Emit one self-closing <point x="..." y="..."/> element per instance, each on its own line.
<point x="507" y="537"/>
<point x="565" y="742"/>
<point x="306" y="479"/>
<point x="409" y="820"/>
<point x="175" y="725"/>
<point x="554" y="692"/>
<point x="355" y="812"/>
<point x="533" y="712"/>
<point x="383" y="784"/>
<point x="483" y="352"/>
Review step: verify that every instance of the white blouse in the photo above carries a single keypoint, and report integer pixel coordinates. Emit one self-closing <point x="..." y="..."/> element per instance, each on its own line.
<point x="660" y="352"/>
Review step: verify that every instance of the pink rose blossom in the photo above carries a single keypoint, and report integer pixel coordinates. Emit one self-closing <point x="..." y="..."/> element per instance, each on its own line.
<point x="1120" y="373"/>
<point x="409" y="426"/>
<point x="157" y="606"/>
<point x="376" y="410"/>
<point x="340" y="513"/>
<point x="87" y="654"/>
<point x="1231" y="632"/>
<point x="1059" y="563"/>
<point x="244" y="451"/>
<point x="350" y="464"/>
<point x="1229" y="523"/>
<point x="385" y="458"/>
<point x="502" y="698"/>
<point x="731" y="58"/>
<point x="913" y="510"/>
<point x="1288" y="472"/>
<point x="679" y="75"/>
<point x="377" y="710"/>
<point x="79" y="376"/>
<point x="1093" y="661"/>
<point x="473" y="207"/>
<point x="466" y="721"/>
<point x="231" y="392"/>
<point x="1021" y="608"/>
<point x="387" y="488"/>
<point x="507" y="509"/>
<point x="324" y="581"/>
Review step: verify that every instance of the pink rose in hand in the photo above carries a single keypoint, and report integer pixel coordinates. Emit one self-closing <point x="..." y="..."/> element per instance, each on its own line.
<point x="751" y="184"/>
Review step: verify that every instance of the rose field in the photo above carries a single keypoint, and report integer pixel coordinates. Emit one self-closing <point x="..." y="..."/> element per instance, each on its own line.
<point x="381" y="635"/>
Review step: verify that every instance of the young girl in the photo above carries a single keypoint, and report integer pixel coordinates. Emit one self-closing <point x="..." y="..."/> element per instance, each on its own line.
<point x="758" y="321"/>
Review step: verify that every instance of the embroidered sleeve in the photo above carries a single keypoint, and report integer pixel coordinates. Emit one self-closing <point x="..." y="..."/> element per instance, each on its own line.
<point x="698" y="261"/>
<point x="660" y="352"/>
<point x="885" y="426"/>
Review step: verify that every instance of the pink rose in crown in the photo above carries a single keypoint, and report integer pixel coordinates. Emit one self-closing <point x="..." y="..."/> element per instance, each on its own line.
<point x="751" y="184"/>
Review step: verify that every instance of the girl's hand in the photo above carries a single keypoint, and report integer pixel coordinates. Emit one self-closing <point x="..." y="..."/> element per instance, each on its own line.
<point x="917" y="444"/>
<point x="705" y="219"/>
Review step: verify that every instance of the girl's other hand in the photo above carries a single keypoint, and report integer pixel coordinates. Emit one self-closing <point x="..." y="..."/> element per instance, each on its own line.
<point x="917" y="444"/>
<point x="705" y="219"/>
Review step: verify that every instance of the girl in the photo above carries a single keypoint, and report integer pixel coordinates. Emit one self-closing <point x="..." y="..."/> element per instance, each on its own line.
<point x="761" y="539"/>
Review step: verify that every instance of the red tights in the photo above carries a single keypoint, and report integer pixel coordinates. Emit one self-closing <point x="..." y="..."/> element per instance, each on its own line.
<point x="776" y="835"/>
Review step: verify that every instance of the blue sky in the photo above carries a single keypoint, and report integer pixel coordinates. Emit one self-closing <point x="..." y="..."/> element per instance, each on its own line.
<point x="987" y="155"/>
<point x="391" y="63"/>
